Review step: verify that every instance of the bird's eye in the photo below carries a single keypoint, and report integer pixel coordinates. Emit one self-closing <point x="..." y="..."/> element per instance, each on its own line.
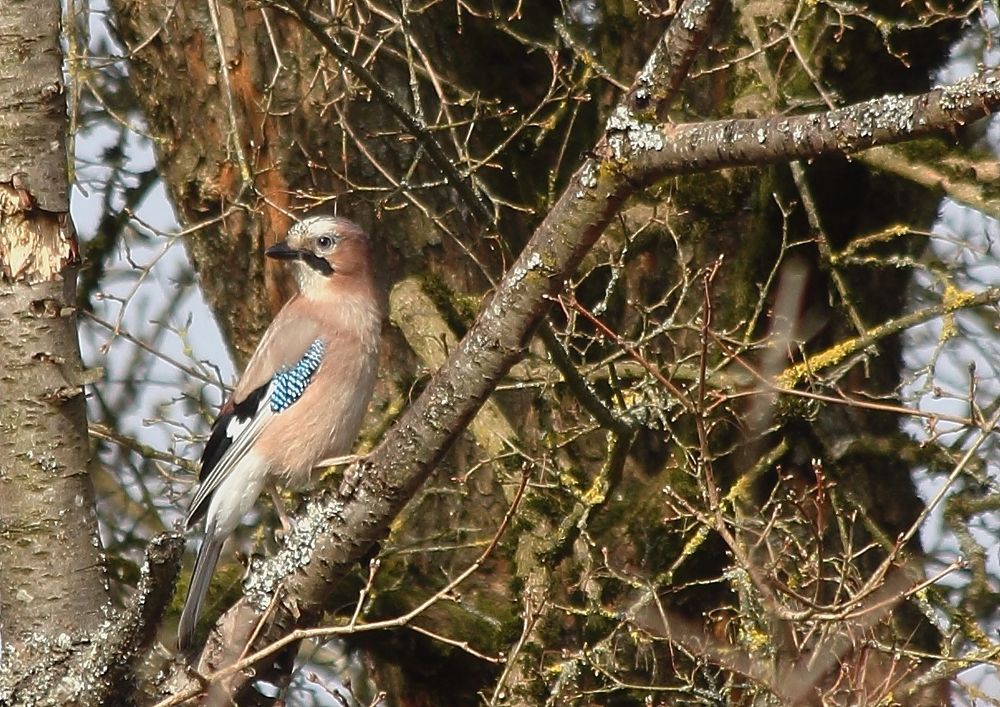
<point x="324" y="242"/>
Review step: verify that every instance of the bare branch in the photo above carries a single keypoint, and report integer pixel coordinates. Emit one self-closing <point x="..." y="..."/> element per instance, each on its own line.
<point x="647" y="152"/>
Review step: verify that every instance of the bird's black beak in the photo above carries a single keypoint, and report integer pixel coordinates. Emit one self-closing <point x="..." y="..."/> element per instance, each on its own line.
<point x="282" y="251"/>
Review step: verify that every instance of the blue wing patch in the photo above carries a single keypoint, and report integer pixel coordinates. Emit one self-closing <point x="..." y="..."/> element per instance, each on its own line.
<point x="290" y="383"/>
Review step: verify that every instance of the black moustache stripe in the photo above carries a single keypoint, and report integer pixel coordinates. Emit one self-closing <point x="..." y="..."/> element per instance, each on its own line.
<point x="316" y="263"/>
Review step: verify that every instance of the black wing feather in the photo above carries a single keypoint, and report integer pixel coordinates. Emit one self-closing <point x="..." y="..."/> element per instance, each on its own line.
<point x="220" y="441"/>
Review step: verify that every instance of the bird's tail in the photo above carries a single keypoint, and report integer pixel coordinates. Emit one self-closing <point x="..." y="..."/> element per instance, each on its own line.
<point x="201" y="577"/>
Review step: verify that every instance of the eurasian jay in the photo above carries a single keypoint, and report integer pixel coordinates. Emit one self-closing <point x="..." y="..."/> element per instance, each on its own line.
<point x="303" y="395"/>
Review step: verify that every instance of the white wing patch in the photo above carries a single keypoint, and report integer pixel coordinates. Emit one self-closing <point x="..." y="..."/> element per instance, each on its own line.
<point x="236" y="426"/>
<point x="247" y="432"/>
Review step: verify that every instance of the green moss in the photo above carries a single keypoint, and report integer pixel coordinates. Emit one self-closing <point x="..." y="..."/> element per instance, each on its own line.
<point x="459" y="311"/>
<point x="516" y="585"/>
<point x="732" y="212"/>
<point x="705" y="197"/>
<point x="492" y="624"/>
<point x="661" y="544"/>
<point x="932" y="150"/>
<point x="550" y="505"/>
<point x="224" y="591"/>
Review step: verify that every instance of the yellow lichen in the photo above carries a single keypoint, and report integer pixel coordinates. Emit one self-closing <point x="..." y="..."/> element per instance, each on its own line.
<point x="824" y="359"/>
<point x="756" y="640"/>
<point x="597" y="493"/>
<point x="949" y="328"/>
<point x="954" y="299"/>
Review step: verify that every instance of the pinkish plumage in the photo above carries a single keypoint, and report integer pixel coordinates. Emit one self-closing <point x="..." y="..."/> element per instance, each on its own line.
<point x="303" y="395"/>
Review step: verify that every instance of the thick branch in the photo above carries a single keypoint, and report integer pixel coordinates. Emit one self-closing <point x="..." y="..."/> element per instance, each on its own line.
<point x="54" y="599"/>
<point x="648" y="152"/>
<point x="98" y="670"/>
<point x="664" y="73"/>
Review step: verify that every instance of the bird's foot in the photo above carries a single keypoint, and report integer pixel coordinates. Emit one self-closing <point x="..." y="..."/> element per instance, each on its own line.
<point x="352" y="477"/>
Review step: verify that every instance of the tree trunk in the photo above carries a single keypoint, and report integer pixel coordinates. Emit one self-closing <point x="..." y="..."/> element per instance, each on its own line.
<point x="53" y="588"/>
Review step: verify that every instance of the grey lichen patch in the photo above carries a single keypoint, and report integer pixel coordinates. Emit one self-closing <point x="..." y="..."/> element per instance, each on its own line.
<point x="534" y="262"/>
<point x="588" y="178"/>
<point x="628" y="135"/>
<point x="266" y="575"/>
<point x="970" y="91"/>
<point x="59" y="669"/>
<point x="646" y="80"/>
<point x="691" y="12"/>
<point x="889" y="114"/>
<point x="896" y="115"/>
<point x="647" y="404"/>
<point x="501" y="303"/>
<point x="47" y="463"/>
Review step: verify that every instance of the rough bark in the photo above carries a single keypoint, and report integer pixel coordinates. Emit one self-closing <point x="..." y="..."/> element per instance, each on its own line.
<point x="53" y="590"/>
<point x="51" y="566"/>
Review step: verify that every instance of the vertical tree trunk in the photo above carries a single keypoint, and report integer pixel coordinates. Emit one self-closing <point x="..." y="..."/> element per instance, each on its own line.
<point x="52" y="581"/>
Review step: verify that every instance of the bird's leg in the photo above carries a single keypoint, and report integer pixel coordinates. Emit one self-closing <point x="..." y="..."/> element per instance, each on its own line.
<point x="337" y="461"/>
<point x="279" y="508"/>
<point x="348" y="483"/>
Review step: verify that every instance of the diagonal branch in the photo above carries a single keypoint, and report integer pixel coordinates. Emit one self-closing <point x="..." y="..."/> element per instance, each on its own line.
<point x="422" y="436"/>
<point x="335" y="533"/>
<point x="664" y="73"/>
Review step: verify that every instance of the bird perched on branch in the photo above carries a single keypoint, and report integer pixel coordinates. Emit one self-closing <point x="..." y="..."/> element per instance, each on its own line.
<point x="303" y="395"/>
